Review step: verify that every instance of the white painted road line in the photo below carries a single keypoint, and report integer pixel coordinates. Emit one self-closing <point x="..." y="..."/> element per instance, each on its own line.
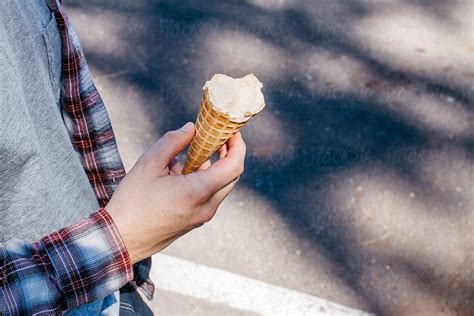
<point x="219" y="286"/>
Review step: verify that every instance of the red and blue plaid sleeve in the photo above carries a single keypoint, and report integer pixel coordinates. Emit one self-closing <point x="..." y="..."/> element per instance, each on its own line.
<point x="90" y="129"/>
<point x="67" y="268"/>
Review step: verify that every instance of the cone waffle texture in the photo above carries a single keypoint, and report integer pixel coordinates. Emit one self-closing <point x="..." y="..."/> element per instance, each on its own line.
<point x="213" y="129"/>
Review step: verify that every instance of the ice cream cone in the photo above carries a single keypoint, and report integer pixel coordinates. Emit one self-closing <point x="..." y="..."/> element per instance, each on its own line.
<point x="213" y="129"/>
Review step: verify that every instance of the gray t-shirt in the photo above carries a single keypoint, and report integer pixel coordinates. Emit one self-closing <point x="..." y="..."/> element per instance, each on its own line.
<point x="43" y="186"/>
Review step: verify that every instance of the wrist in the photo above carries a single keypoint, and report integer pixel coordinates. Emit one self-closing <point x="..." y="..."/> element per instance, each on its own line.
<point x="124" y="229"/>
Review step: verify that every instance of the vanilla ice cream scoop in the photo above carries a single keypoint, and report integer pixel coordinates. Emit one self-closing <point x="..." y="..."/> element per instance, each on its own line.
<point x="239" y="98"/>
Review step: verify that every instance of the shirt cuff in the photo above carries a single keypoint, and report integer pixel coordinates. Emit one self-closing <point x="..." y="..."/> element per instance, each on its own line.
<point x="89" y="258"/>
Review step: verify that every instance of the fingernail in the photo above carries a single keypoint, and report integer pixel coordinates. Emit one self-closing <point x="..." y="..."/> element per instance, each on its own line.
<point x="187" y="127"/>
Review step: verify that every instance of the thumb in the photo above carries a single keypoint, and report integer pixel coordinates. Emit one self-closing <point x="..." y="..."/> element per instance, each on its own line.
<point x="172" y="143"/>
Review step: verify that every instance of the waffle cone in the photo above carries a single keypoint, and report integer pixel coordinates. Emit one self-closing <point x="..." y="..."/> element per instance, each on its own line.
<point x="213" y="129"/>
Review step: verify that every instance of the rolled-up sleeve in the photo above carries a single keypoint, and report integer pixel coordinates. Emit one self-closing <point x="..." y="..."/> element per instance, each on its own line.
<point x="67" y="268"/>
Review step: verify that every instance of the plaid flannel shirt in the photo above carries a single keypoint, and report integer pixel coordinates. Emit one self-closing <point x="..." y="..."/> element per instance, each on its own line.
<point x="87" y="260"/>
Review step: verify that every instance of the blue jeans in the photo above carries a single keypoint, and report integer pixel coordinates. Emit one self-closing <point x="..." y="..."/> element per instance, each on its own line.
<point x="109" y="306"/>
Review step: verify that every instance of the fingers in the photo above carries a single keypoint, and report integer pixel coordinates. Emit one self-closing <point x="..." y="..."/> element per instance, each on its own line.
<point x="223" y="151"/>
<point x="226" y="169"/>
<point x="213" y="204"/>
<point x="220" y="195"/>
<point x="173" y="162"/>
<point x="205" y="165"/>
<point x="175" y="166"/>
<point x="168" y="146"/>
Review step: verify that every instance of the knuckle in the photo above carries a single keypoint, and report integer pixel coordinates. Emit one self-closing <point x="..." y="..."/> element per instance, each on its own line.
<point x="200" y="192"/>
<point x="241" y="169"/>
<point x="203" y="194"/>
<point x="238" y="169"/>
<point x="198" y="224"/>
<point x="205" y="217"/>
<point x="244" y="146"/>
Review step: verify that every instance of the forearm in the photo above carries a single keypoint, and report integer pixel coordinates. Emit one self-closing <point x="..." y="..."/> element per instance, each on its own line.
<point x="67" y="268"/>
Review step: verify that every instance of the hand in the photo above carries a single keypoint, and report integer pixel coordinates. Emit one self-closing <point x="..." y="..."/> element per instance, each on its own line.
<point x="155" y="204"/>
